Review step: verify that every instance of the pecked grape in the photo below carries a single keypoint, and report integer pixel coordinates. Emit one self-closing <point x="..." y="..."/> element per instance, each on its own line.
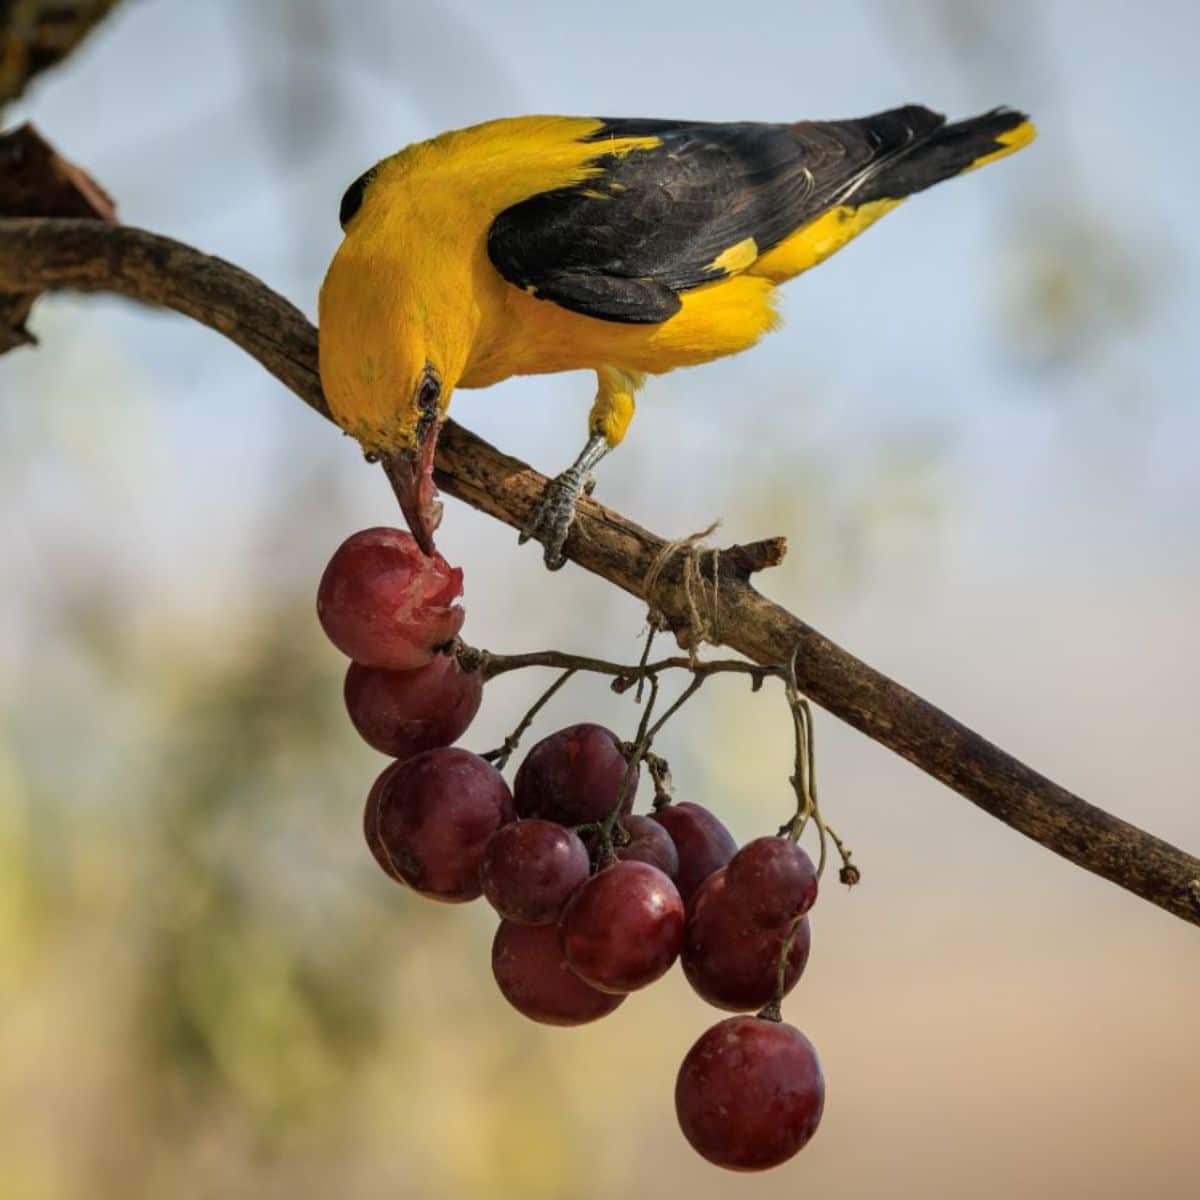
<point x="383" y="603"/>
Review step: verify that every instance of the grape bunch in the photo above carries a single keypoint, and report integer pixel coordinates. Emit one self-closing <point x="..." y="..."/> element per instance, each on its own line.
<point x="595" y="901"/>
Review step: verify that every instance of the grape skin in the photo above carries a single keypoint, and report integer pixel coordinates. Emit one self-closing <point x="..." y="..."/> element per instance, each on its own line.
<point x="649" y="842"/>
<point x="750" y="1093"/>
<point x="574" y="776"/>
<point x="729" y="959"/>
<point x="740" y="919"/>
<point x="529" y="967"/>
<point x="371" y="823"/>
<point x="704" y="845"/>
<point x="531" y="868"/>
<point x="436" y="814"/>
<point x="402" y="713"/>
<point x="623" y="928"/>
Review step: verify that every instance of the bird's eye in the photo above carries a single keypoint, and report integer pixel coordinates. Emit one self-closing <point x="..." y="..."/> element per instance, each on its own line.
<point x="352" y="200"/>
<point x="428" y="394"/>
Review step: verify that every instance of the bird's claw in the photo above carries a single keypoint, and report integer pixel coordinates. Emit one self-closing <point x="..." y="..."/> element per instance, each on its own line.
<point x="551" y="519"/>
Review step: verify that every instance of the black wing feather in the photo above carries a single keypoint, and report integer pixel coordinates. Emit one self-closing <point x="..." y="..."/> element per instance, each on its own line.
<point x="623" y="245"/>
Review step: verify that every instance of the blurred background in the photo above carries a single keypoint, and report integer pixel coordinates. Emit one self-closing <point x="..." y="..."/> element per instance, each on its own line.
<point x="979" y="430"/>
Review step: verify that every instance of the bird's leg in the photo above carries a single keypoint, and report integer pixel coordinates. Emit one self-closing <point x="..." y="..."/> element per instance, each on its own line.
<point x="611" y="413"/>
<point x="551" y="520"/>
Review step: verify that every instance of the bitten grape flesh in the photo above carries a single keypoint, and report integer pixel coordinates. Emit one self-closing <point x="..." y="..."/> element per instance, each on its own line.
<point x="530" y="870"/>
<point x="703" y="843"/>
<point x="574" y="776"/>
<point x="528" y="964"/>
<point x="402" y="713"/>
<point x="382" y="603"/>
<point x="436" y="814"/>
<point x="750" y="1093"/>
<point x="623" y="928"/>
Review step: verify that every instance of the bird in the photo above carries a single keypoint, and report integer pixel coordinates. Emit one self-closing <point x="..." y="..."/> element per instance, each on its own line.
<point x="627" y="246"/>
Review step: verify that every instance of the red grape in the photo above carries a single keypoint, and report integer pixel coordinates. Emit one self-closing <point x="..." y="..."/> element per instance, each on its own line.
<point x="703" y="843"/>
<point x="383" y="603"/>
<point x="740" y="918"/>
<point x="371" y="822"/>
<point x="402" y="713"/>
<point x="436" y="814"/>
<point x="574" y="777"/>
<point x="528" y="963"/>
<point x="732" y="960"/>
<point x="623" y="928"/>
<point x="650" y="843"/>
<point x="774" y="878"/>
<point x="750" y="1093"/>
<point x="531" y="868"/>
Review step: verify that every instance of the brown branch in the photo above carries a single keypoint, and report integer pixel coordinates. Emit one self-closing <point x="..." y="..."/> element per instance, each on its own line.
<point x="38" y="255"/>
<point x="38" y="34"/>
<point x="36" y="179"/>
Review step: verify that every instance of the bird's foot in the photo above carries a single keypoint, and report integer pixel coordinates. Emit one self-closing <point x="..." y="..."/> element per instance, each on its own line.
<point x="551" y="520"/>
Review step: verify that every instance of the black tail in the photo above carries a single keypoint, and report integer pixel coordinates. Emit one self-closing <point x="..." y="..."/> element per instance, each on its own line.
<point x="938" y="151"/>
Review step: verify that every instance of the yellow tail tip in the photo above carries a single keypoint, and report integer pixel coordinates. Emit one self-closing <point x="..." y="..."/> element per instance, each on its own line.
<point x="1010" y="141"/>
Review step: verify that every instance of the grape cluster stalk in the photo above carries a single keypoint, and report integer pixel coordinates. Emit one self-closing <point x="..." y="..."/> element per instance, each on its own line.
<point x="595" y="901"/>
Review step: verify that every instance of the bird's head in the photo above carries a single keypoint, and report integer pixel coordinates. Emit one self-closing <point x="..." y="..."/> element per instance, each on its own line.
<point x="392" y="343"/>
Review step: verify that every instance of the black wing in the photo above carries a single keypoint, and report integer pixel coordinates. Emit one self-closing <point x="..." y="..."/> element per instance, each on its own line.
<point x="653" y="223"/>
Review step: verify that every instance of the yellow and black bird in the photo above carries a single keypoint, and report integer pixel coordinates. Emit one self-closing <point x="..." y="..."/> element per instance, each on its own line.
<point x="630" y="247"/>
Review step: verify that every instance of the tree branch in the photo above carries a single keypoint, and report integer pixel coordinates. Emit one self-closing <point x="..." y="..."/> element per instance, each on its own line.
<point x="89" y="256"/>
<point x="38" y="34"/>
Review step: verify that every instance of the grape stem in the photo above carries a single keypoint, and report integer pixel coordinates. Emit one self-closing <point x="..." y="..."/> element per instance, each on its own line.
<point x="624" y="676"/>
<point x="645" y="739"/>
<point x="500" y="756"/>
<point x="774" y="1010"/>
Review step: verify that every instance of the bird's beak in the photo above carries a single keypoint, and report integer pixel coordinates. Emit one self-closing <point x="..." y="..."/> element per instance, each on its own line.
<point x="411" y="476"/>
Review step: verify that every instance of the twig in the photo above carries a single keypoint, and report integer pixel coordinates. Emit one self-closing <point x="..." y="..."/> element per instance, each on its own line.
<point x="773" y="1011"/>
<point x="504" y="751"/>
<point x="49" y="255"/>
<point x="624" y="674"/>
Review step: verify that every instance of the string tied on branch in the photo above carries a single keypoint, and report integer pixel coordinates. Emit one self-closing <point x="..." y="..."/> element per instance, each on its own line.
<point x="703" y="605"/>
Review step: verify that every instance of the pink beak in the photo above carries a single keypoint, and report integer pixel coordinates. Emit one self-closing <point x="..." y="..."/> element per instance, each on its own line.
<point x="411" y="476"/>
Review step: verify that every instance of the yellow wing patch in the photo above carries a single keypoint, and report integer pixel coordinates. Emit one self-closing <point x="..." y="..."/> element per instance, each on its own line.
<point x="817" y="240"/>
<point x="736" y="258"/>
<point x="1013" y="140"/>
